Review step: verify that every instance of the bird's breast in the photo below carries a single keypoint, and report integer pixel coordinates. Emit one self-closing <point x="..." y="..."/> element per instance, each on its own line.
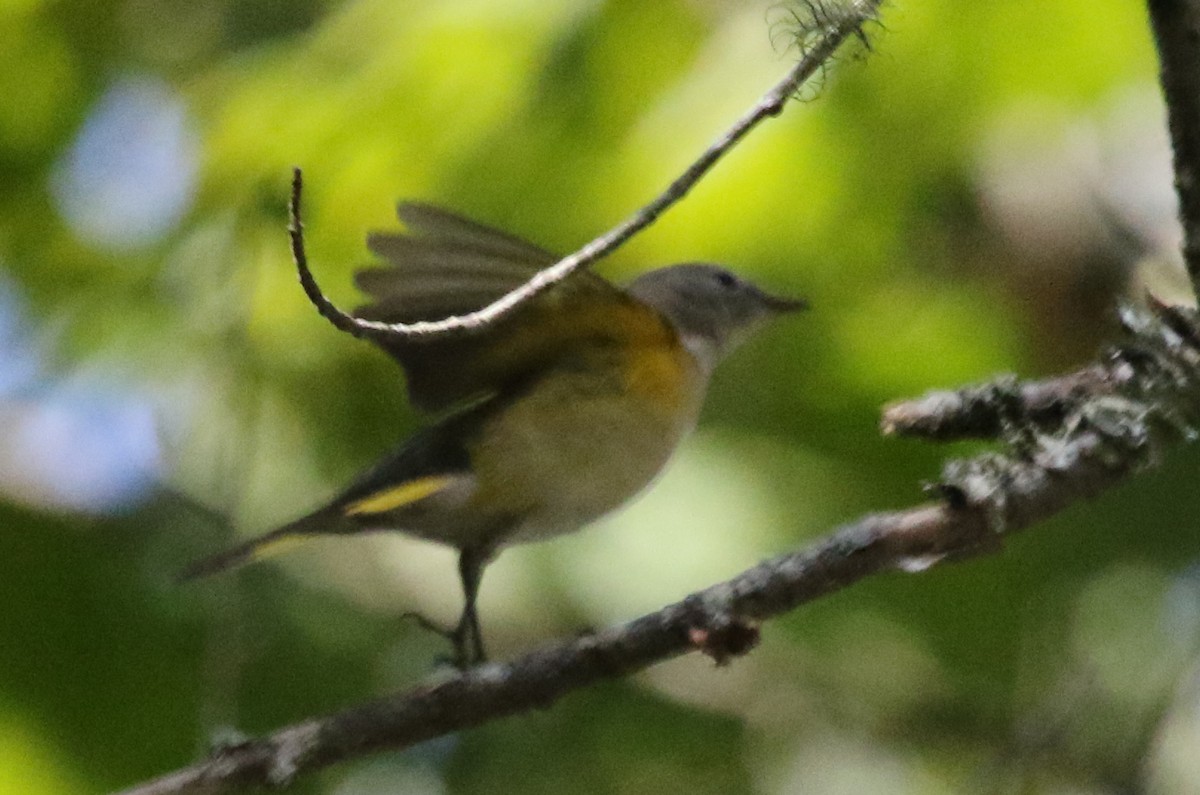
<point x="585" y="439"/>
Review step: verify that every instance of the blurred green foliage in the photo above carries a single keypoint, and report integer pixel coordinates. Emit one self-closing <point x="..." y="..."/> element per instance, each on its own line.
<point x="145" y="148"/>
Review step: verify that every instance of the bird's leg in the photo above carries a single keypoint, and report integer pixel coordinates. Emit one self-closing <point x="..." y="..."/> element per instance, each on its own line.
<point x="467" y="637"/>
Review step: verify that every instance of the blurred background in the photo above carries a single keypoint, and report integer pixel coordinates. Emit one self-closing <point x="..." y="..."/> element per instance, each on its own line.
<point x="970" y="198"/>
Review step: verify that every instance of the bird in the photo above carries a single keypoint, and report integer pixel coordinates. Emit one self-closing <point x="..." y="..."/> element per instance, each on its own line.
<point x="555" y="414"/>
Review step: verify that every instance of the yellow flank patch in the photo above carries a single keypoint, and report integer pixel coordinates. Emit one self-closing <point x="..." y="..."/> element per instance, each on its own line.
<point x="656" y="366"/>
<point x="662" y="373"/>
<point x="398" y="496"/>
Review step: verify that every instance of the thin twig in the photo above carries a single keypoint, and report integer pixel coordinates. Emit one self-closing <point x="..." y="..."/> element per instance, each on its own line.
<point x="1176" y="26"/>
<point x="841" y="25"/>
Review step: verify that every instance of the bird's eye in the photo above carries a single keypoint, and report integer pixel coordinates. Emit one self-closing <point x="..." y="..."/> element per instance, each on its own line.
<point x="726" y="279"/>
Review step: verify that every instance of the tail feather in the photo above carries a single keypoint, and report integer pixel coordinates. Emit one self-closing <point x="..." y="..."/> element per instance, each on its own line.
<point x="256" y="548"/>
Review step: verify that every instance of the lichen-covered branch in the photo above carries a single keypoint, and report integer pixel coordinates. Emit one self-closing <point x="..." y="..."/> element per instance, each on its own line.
<point x="1152" y="376"/>
<point x="987" y="410"/>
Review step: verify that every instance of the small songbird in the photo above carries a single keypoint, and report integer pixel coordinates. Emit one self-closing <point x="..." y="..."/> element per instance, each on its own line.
<point x="554" y="415"/>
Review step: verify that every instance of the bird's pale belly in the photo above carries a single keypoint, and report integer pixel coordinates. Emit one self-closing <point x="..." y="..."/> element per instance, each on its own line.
<point x="576" y="448"/>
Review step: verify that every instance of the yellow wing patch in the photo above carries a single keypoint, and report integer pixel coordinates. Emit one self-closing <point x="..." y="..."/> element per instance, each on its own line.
<point x="398" y="496"/>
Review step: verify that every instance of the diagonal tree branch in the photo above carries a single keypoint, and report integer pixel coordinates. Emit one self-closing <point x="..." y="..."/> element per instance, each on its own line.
<point x="837" y="23"/>
<point x="983" y="504"/>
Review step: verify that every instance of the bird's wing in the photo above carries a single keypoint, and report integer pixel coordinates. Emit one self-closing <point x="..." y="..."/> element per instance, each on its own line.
<point x="444" y="265"/>
<point x="449" y="265"/>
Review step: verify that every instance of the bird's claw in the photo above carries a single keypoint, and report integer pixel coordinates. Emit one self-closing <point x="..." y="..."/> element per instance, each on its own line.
<point x="468" y="650"/>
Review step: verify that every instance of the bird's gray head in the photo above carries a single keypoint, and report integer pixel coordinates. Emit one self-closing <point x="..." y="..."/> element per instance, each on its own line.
<point x="712" y="308"/>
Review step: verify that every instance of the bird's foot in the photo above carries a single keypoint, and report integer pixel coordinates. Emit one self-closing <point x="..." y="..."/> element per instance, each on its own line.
<point x="468" y="646"/>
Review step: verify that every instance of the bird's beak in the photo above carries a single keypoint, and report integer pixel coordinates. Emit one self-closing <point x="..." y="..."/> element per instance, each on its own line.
<point x="780" y="305"/>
